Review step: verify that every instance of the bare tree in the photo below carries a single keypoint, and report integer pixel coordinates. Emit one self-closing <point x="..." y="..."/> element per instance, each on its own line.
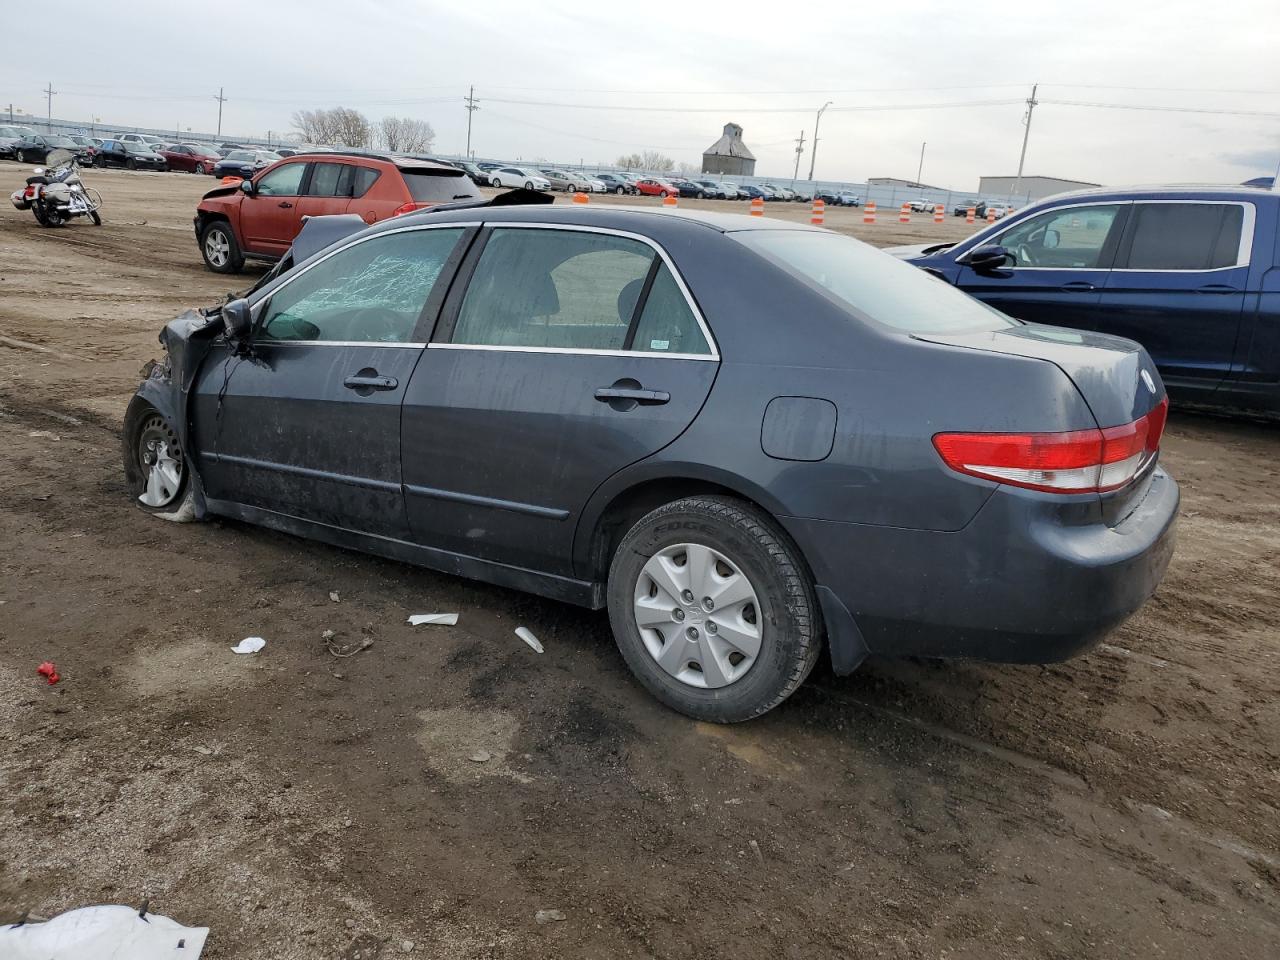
<point x="688" y="169"/>
<point x="657" y="162"/>
<point x="339" y="126"/>
<point x="405" y="135"/>
<point x="629" y="161"/>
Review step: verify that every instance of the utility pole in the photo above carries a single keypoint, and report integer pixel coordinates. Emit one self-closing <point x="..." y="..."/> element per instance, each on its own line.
<point x="813" y="150"/>
<point x="1026" y="135"/>
<point x="472" y="106"/>
<point x="221" y="100"/>
<point x="49" y="92"/>
<point x="920" y="169"/>
<point x="799" y="150"/>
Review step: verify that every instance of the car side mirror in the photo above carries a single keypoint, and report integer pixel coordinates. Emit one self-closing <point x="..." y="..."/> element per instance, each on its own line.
<point x="248" y="187"/>
<point x="988" y="258"/>
<point x="237" y="321"/>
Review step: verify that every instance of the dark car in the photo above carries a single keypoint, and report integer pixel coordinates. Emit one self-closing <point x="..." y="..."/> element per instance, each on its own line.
<point x="616" y="183"/>
<point x="36" y="148"/>
<point x="191" y="157"/>
<point x="839" y="198"/>
<point x="1187" y="272"/>
<point x="753" y="192"/>
<point x="598" y="404"/>
<point x="244" y="163"/>
<point x="259" y="218"/>
<point x="687" y="188"/>
<point x="88" y="144"/>
<point x="962" y="208"/>
<point x="129" y="155"/>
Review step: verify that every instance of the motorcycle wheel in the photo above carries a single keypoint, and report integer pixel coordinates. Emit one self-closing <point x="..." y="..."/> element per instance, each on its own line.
<point x="38" y="209"/>
<point x="52" y="217"/>
<point x="96" y="217"/>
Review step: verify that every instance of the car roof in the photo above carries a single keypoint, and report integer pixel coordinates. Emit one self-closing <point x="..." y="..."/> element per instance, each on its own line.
<point x="1186" y="191"/>
<point x="400" y="160"/>
<point x="612" y="216"/>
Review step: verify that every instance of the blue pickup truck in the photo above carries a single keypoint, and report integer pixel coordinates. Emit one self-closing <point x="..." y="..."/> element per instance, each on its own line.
<point x="1191" y="273"/>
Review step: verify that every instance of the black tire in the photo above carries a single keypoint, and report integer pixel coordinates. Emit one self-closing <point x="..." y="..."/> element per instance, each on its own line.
<point x="787" y="609"/>
<point x="199" y="169"/>
<point x="145" y="426"/>
<point x="620" y="191"/>
<point x="496" y="183"/>
<point x="52" y="217"/>
<point x="234" y="261"/>
<point x="96" y="217"/>
<point x="131" y="164"/>
<point x="37" y="210"/>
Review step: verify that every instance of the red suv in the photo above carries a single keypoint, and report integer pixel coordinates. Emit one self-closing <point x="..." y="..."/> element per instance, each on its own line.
<point x="259" y="218"/>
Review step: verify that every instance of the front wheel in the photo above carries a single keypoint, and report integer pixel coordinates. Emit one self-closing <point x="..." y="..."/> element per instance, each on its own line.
<point x="157" y="470"/>
<point x="496" y="183"/>
<point x="131" y="164"/>
<point x="219" y="247"/>
<point x="620" y="191"/>
<point x="200" y="168"/>
<point x="96" y="217"/>
<point x="713" y="609"/>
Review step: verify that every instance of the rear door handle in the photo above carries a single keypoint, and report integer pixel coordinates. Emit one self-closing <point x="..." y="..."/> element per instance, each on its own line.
<point x="605" y="394"/>
<point x="1080" y="286"/>
<point x="1216" y="288"/>
<point x="365" y="382"/>
<point x="284" y="204"/>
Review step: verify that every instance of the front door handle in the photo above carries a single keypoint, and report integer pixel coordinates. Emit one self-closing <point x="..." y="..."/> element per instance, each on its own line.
<point x="284" y="205"/>
<point x="647" y="397"/>
<point x="1078" y="286"/>
<point x="367" y="381"/>
<point x="1216" y="288"/>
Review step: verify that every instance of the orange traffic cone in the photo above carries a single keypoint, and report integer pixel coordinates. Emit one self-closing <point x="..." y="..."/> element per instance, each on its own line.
<point x="991" y="214"/>
<point x="819" y="214"/>
<point x="669" y="200"/>
<point x="937" y="213"/>
<point x="970" y="214"/>
<point x="869" y="212"/>
<point x="904" y="215"/>
<point x="581" y="198"/>
<point x="757" y="207"/>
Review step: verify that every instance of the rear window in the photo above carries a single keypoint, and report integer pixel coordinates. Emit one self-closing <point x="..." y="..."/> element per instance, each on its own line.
<point x="1184" y="236"/>
<point x="432" y="186"/>
<point x="875" y="285"/>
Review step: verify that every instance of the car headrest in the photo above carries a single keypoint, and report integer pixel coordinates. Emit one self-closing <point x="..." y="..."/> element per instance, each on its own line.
<point x="627" y="299"/>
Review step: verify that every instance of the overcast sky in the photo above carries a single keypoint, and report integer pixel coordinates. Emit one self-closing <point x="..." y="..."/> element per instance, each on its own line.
<point x="765" y="67"/>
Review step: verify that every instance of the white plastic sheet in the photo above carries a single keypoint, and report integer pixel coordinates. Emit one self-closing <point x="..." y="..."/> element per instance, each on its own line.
<point x="249" y="645"/>
<point x="444" y="619"/>
<point x="103" y="933"/>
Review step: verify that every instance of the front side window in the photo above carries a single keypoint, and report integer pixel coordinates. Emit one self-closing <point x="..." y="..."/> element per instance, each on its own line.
<point x="1183" y="236"/>
<point x="285" y="181"/>
<point x="573" y="290"/>
<point x="371" y="292"/>
<point x="1071" y="238"/>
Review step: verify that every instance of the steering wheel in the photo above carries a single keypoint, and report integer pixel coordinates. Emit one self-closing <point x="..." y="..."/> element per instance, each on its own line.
<point x="378" y="324"/>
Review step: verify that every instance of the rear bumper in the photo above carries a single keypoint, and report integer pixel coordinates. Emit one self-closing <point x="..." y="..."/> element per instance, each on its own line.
<point x="1019" y="584"/>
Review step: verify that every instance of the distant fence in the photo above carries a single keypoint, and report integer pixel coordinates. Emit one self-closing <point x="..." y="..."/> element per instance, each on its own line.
<point x="889" y="197"/>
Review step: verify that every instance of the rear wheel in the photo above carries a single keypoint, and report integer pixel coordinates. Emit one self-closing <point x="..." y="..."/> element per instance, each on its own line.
<point x="713" y="609"/>
<point x="219" y="247"/>
<point x="159" y="469"/>
<point x="199" y="168"/>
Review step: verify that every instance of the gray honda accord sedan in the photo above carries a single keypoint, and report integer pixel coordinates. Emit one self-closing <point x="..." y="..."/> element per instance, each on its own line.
<point x="747" y="439"/>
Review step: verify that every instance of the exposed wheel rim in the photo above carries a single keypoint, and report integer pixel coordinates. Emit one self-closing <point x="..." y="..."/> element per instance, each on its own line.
<point x="698" y="615"/>
<point x="199" y="168"/>
<point x="217" y="247"/>
<point x="160" y="458"/>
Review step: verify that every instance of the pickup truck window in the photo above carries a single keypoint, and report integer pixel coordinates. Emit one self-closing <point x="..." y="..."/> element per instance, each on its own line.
<point x="1066" y="238"/>
<point x="1182" y="236"/>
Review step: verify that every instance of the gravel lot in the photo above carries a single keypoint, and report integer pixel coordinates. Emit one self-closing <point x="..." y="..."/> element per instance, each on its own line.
<point x="1120" y="805"/>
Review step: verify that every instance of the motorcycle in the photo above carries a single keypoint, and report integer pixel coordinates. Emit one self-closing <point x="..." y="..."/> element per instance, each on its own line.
<point x="55" y="194"/>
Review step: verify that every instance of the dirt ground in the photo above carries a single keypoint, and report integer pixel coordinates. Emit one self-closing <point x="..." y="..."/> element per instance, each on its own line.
<point x="1123" y="804"/>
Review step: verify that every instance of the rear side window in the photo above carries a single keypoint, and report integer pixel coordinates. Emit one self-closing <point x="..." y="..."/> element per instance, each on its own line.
<point x="564" y="289"/>
<point x="327" y="180"/>
<point x="371" y="292"/>
<point x="874" y="285"/>
<point x="1183" y="236"/>
<point x="432" y="187"/>
<point x="365" y="177"/>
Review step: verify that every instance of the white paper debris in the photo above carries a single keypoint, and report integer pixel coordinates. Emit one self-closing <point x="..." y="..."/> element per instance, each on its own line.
<point x="525" y="634"/>
<point x="100" y="933"/>
<point x="333" y="595"/>
<point x="249" y="645"/>
<point x="446" y="619"/>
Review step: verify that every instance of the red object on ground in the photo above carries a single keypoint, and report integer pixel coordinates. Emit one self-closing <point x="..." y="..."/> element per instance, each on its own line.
<point x="47" y="669"/>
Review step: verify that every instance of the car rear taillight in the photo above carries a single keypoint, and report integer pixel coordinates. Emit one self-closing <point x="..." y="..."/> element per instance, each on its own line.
<point x="409" y="207"/>
<point x="1077" y="461"/>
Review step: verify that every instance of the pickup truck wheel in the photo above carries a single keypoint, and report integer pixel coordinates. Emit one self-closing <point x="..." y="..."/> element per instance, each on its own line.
<point x="219" y="247"/>
<point x="713" y="609"/>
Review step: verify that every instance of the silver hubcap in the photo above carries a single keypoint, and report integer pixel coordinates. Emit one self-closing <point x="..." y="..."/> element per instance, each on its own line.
<point x="217" y="247"/>
<point x="698" y="615"/>
<point x="161" y="464"/>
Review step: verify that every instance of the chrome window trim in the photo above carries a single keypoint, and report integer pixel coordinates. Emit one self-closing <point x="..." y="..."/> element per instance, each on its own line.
<point x="254" y="305"/>
<point x="341" y="343"/>
<point x="995" y="237"/>
<point x="1244" y="252"/>
<point x="714" y="355"/>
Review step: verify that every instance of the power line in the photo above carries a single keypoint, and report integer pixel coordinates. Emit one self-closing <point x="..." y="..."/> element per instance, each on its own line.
<point x="1162" y="109"/>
